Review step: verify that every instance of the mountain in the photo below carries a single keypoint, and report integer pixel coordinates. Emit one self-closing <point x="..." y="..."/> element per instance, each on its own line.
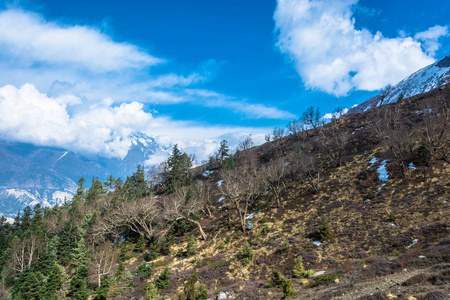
<point x="32" y="174"/>
<point x="422" y="81"/>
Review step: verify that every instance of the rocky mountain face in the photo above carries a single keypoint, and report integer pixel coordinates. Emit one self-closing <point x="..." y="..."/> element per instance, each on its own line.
<point x="422" y="81"/>
<point x="34" y="174"/>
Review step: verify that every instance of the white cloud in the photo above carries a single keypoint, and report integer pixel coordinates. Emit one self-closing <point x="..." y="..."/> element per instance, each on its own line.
<point x="331" y="55"/>
<point x="30" y="116"/>
<point x="63" y="59"/>
<point x="35" y="40"/>
<point x="27" y="115"/>
<point x="430" y="38"/>
<point x="250" y="110"/>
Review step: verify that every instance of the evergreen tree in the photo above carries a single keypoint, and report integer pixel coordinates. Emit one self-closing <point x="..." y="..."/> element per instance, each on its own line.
<point x="96" y="192"/>
<point x="193" y="290"/>
<point x="68" y="239"/>
<point x="78" y="288"/>
<point x="223" y="151"/>
<point x="80" y="254"/>
<point x="110" y="183"/>
<point x="230" y="163"/>
<point x="53" y="283"/>
<point x="179" y="164"/>
<point x="102" y="291"/>
<point x="163" y="280"/>
<point x="136" y="186"/>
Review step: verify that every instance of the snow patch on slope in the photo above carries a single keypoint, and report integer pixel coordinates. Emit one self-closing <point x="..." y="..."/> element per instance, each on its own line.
<point x="21" y="195"/>
<point x="422" y="81"/>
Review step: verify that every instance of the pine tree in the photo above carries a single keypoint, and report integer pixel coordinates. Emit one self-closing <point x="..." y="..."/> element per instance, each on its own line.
<point x="53" y="283"/>
<point x="163" y="280"/>
<point x="102" y="291"/>
<point x="96" y="192"/>
<point x="325" y="231"/>
<point x="230" y="163"/>
<point x="179" y="164"/>
<point x="78" y="289"/>
<point x="67" y="242"/>
<point x="80" y="254"/>
<point x="223" y="151"/>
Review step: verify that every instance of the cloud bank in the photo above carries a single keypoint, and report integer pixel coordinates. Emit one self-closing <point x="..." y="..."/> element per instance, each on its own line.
<point x="75" y="87"/>
<point x="331" y="55"/>
<point x="103" y="128"/>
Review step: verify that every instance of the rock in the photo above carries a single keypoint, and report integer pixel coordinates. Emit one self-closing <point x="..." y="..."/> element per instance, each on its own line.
<point x="422" y="256"/>
<point x="222" y="296"/>
<point x="320" y="273"/>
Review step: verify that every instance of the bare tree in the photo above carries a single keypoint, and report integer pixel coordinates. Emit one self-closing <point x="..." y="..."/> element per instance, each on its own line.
<point x="102" y="261"/>
<point x="312" y="118"/>
<point x="400" y="143"/>
<point x="247" y="143"/>
<point x="295" y="127"/>
<point x="307" y="165"/>
<point x="203" y="190"/>
<point x="241" y="187"/>
<point x="182" y="204"/>
<point x="276" y="137"/>
<point x="385" y="118"/>
<point x="141" y="216"/>
<point x="275" y="178"/>
<point x="435" y="129"/>
<point x="333" y="141"/>
<point x="24" y="252"/>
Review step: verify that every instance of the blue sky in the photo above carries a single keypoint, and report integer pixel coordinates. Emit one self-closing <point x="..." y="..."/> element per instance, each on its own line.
<point x="193" y="72"/>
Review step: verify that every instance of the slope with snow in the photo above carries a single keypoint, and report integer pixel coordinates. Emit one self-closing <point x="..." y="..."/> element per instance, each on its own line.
<point x="422" y="81"/>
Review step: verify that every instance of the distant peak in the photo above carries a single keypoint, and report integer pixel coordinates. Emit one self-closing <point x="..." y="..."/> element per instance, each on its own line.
<point x="444" y="63"/>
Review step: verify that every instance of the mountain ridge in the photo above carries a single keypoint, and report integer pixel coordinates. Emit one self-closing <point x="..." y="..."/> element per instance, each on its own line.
<point x="32" y="174"/>
<point x="424" y="80"/>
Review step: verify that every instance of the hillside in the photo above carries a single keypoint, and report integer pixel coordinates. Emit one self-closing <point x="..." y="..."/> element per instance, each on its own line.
<point x="354" y="209"/>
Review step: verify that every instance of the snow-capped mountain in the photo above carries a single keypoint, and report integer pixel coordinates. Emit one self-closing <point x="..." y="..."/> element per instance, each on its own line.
<point x="32" y="174"/>
<point x="422" y="81"/>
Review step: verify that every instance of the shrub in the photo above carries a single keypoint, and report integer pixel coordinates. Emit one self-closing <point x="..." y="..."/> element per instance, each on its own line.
<point x="151" y="292"/>
<point x="163" y="280"/>
<point x="325" y="231"/>
<point x="193" y="290"/>
<point x="145" y="269"/>
<point x="298" y="267"/>
<point x="287" y="289"/>
<point x="392" y="217"/>
<point x="285" y="246"/>
<point x="102" y="291"/>
<point x="246" y="254"/>
<point x="308" y="273"/>
<point x="191" y="246"/>
<point x="140" y="244"/>
<point x="325" y="279"/>
<point x="279" y="281"/>
<point x="120" y="270"/>
<point x="299" y="270"/>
